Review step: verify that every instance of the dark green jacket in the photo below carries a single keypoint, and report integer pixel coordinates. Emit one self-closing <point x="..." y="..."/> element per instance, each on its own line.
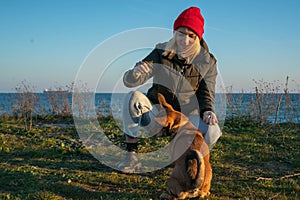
<point x="189" y="88"/>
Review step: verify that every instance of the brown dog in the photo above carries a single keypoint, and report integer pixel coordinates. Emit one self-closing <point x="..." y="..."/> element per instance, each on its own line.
<point x="192" y="173"/>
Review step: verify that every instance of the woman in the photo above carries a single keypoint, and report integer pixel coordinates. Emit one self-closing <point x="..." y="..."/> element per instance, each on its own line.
<point x="183" y="71"/>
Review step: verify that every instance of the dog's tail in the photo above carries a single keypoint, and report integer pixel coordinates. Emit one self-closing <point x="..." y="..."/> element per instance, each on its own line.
<point x="195" y="168"/>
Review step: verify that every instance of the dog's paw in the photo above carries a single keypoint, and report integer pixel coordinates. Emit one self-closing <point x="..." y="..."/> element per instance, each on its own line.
<point x="198" y="193"/>
<point x="204" y="194"/>
<point x="183" y="195"/>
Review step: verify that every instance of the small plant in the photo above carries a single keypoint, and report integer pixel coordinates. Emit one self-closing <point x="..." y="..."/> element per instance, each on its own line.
<point x="58" y="101"/>
<point x="271" y="98"/>
<point x="24" y="104"/>
<point x="82" y="100"/>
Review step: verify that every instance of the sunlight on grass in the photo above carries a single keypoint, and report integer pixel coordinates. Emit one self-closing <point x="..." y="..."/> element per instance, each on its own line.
<point x="50" y="162"/>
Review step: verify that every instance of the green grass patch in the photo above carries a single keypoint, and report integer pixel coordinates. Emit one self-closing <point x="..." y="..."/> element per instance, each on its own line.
<point x="250" y="161"/>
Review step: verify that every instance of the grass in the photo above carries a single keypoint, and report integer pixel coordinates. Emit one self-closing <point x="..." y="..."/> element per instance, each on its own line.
<point x="250" y="161"/>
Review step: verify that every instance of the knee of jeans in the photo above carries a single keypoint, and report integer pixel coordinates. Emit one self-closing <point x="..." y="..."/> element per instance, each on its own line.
<point x="212" y="135"/>
<point x="214" y="130"/>
<point x="138" y="104"/>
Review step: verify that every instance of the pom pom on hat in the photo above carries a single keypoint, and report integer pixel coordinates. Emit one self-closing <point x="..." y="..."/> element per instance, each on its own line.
<point x="192" y="19"/>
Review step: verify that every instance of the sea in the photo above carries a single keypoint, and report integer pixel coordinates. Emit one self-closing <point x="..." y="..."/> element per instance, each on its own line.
<point x="275" y="108"/>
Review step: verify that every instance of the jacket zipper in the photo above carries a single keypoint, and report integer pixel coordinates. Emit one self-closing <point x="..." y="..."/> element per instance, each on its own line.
<point x="182" y="72"/>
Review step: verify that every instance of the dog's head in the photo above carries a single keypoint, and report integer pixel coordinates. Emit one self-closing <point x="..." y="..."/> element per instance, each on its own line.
<point x="171" y="118"/>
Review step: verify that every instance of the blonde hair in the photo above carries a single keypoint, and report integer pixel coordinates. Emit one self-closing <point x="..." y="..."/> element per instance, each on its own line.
<point x="189" y="54"/>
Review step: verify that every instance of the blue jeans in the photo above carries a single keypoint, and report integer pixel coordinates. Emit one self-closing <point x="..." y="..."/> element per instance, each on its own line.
<point x="211" y="133"/>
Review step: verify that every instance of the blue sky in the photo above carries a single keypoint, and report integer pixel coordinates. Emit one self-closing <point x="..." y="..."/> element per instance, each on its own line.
<point x="46" y="42"/>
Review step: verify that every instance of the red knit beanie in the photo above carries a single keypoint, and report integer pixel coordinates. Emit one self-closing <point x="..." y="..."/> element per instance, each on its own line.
<point x="192" y="19"/>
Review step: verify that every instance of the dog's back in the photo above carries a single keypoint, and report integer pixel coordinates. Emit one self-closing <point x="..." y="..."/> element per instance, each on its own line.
<point x="192" y="174"/>
<point x="192" y="171"/>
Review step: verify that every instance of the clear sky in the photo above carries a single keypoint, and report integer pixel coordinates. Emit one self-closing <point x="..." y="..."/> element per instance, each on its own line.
<point x="45" y="42"/>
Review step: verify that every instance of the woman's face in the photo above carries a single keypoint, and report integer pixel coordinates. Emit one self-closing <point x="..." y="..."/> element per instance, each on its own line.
<point x="185" y="37"/>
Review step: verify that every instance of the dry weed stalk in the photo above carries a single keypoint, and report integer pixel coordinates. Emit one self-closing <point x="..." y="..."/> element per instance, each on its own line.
<point x="277" y="179"/>
<point x="259" y="105"/>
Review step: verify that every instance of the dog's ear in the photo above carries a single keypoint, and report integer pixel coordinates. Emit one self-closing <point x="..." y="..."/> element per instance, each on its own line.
<point x="163" y="102"/>
<point x="174" y="119"/>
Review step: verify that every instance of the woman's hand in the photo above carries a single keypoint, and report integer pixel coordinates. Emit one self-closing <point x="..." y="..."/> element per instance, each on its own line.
<point x="141" y="68"/>
<point x="210" y="118"/>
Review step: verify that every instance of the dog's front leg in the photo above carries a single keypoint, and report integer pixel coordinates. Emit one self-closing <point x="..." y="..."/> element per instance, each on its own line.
<point x="205" y="190"/>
